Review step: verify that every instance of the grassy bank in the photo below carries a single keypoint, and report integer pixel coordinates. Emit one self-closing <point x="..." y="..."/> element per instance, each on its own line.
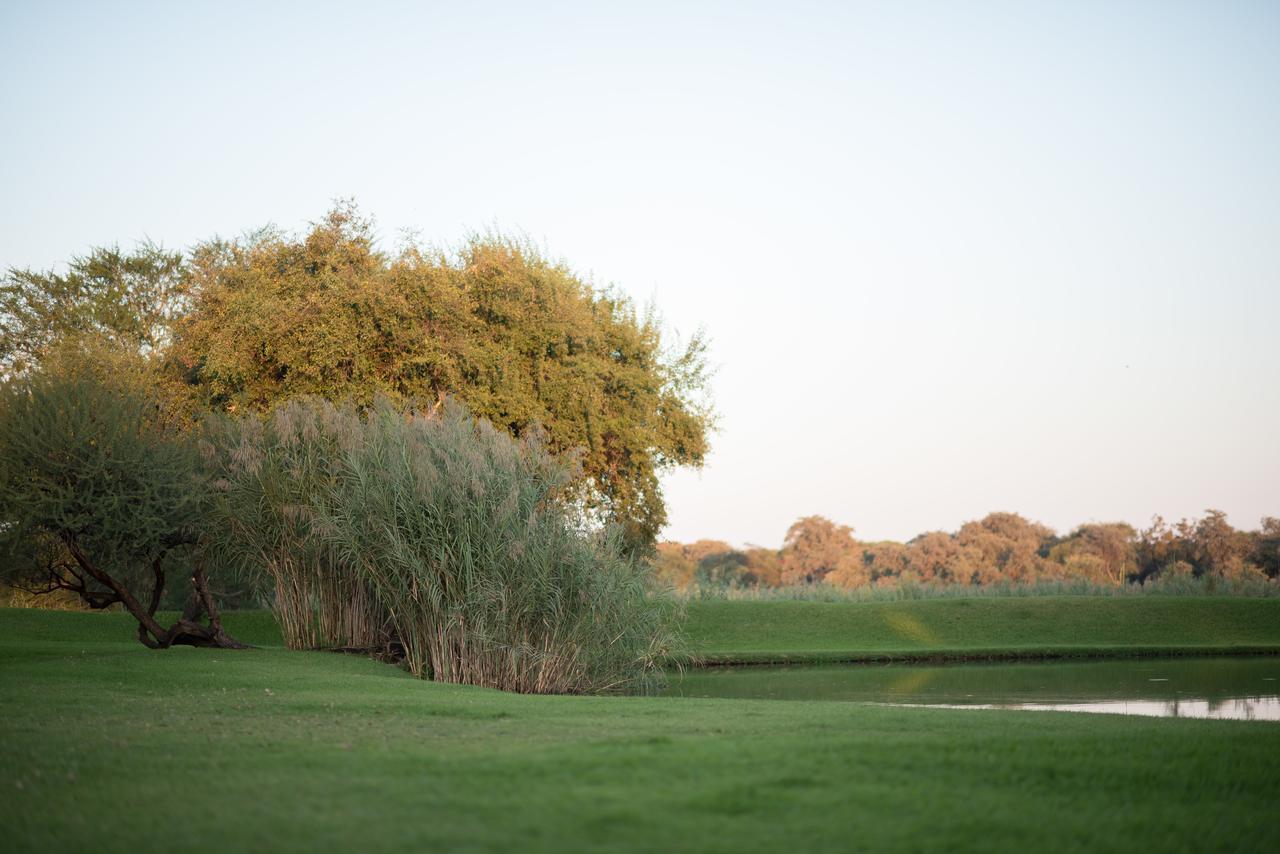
<point x="756" y="631"/>
<point x="745" y="631"/>
<point x="107" y="746"/>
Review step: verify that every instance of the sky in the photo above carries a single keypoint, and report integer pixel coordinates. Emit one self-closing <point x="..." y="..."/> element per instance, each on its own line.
<point x="953" y="257"/>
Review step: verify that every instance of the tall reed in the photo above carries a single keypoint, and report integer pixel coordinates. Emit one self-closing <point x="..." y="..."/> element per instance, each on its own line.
<point x="488" y="579"/>
<point x="273" y="477"/>
<point x="448" y="535"/>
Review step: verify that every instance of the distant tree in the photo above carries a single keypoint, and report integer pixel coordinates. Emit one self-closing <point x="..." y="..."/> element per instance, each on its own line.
<point x="100" y="495"/>
<point x="678" y="564"/>
<point x="1007" y="548"/>
<point x="1265" y="552"/>
<point x="700" y="550"/>
<point x="999" y="548"/>
<point x="814" y="548"/>
<point x="1101" y="552"/>
<point x="128" y="299"/>
<point x="1217" y="547"/>
<point x="725" y="569"/>
<point x="1209" y="546"/>
<point x="519" y="339"/>
<point x="883" y="560"/>
<point x="670" y="566"/>
<point x="763" y="566"/>
<point x="1161" y="544"/>
<point x="936" y="557"/>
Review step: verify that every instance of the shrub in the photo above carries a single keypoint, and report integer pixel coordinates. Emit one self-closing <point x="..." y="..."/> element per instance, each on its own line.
<point x="101" y="495"/>
<point x="459" y="536"/>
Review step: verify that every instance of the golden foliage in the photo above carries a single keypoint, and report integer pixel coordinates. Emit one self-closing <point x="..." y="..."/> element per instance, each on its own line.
<point x="521" y="340"/>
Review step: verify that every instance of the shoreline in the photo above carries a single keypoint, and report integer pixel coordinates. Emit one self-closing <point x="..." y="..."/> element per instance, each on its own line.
<point x="977" y="656"/>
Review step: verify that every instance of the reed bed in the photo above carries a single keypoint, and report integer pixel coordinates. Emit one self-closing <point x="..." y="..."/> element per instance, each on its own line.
<point x="272" y="478"/>
<point x="440" y="535"/>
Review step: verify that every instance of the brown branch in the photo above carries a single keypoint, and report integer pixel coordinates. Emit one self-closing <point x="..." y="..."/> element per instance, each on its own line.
<point x="146" y="621"/>
<point x="56" y="578"/>
<point x="150" y="633"/>
<point x="201" y="585"/>
<point x="158" y="585"/>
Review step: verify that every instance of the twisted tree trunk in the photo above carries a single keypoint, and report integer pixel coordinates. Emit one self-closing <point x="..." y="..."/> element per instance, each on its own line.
<point x="188" y="630"/>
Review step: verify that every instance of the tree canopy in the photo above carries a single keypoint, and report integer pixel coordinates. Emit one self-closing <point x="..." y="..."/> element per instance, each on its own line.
<point x="518" y="338"/>
<point x="243" y="325"/>
<point x="1000" y="548"/>
<point x="130" y="299"/>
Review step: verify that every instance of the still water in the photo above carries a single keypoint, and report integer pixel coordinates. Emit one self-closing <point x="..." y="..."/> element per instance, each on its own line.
<point x="1235" y="688"/>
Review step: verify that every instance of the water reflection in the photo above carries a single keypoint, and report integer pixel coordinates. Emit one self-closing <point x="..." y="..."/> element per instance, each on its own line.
<point x="1242" y="709"/>
<point x="1224" y="688"/>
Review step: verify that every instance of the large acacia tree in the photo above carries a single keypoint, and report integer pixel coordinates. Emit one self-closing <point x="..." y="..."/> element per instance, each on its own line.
<point x="102" y="494"/>
<point x="520" y="339"/>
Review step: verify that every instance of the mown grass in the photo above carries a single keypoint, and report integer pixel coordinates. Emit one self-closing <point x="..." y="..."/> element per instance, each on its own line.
<point x="1208" y="585"/>
<point x="107" y="746"/>
<point x="761" y="631"/>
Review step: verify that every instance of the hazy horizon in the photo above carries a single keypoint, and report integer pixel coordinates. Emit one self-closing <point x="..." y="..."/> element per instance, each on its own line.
<point x="953" y="258"/>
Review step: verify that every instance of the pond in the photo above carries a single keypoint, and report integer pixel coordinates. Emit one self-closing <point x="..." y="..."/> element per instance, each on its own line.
<point x="1235" y="688"/>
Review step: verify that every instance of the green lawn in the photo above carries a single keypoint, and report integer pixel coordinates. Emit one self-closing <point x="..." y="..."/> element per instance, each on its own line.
<point x="751" y="631"/>
<point x="107" y="746"/>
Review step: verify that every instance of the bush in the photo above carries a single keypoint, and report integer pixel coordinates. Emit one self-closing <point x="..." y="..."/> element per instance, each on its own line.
<point x="101" y="496"/>
<point x="456" y="533"/>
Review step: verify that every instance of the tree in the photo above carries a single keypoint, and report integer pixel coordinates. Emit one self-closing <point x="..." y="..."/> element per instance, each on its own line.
<point x="1218" y="547"/>
<point x="671" y="568"/>
<point x="935" y="557"/>
<point x="1210" y="546"/>
<point x="99" y="495"/>
<point x="725" y="569"/>
<point x="883" y="560"/>
<point x="129" y="299"/>
<point x="763" y="566"/>
<point x="1161" y="545"/>
<point x="678" y="564"/>
<point x="1097" y="551"/>
<point x="519" y="339"/>
<point x="1266" y="547"/>
<point x="814" y="547"/>
<point x="1008" y="547"/>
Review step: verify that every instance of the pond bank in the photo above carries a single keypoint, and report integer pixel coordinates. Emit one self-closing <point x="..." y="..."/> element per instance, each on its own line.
<point x="1236" y="688"/>
<point x="988" y="629"/>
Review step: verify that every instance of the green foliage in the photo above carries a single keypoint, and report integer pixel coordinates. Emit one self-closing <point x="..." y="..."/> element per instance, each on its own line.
<point x="1266" y="547"/>
<point x="520" y="339"/>
<point x="92" y="469"/>
<point x="714" y="565"/>
<point x="459" y="534"/>
<point x="128" y="299"/>
<point x="100" y="491"/>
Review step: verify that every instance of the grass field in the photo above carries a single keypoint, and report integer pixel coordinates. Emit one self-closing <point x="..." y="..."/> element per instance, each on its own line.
<point x="1047" y="626"/>
<point x="107" y="746"/>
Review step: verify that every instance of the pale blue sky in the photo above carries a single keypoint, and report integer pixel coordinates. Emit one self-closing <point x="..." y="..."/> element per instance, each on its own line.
<point x="954" y="257"/>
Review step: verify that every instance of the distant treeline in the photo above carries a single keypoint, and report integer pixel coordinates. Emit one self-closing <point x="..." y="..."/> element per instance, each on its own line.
<point x="1001" y="548"/>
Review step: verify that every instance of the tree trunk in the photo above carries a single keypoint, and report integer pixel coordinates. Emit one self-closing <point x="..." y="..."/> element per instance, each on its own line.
<point x="187" y="631"/>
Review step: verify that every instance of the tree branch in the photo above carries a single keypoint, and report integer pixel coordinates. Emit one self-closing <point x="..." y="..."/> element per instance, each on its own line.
<point x="146" y="620"/>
